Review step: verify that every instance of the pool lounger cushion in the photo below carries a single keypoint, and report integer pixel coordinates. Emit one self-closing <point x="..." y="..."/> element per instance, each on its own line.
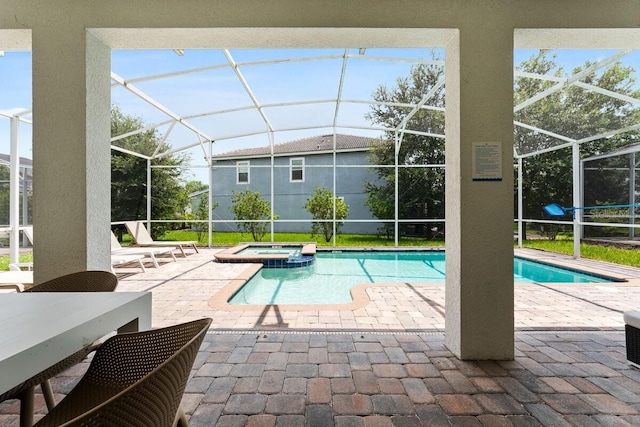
<point x="632" y="335"/>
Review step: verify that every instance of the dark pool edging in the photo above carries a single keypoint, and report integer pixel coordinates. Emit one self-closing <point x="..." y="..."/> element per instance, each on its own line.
<point x="303" y="261"/>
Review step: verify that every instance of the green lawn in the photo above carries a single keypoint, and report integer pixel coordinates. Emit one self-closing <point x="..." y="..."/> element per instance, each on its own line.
<point x="4" y="260"/>
<point x="232" y="239"/>
<point x="602" y="253"/>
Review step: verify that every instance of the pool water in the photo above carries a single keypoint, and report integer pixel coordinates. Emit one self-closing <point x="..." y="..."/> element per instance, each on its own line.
<point x="330" y="278"/>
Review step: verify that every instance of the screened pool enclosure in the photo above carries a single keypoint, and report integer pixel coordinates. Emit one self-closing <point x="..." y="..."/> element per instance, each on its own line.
<point x="367" y="124"/>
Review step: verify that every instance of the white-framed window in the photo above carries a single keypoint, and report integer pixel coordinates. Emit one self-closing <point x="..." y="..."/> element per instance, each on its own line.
<point x="242" y="172"/>
<point x="296" y="166"/>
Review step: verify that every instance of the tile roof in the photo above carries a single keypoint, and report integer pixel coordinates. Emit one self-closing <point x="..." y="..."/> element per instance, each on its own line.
<point x="5" y="159"/>
<point x="317" y="143"/>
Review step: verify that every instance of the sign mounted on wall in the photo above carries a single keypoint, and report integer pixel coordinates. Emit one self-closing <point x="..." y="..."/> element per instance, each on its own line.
<point x="487" y="161"/>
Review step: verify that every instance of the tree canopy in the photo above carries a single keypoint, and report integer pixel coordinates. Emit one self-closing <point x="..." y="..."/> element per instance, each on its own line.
<point x="572" y="113"/>
<point x="129" y="176"/>
<point x="320" y="206"/>
<point x="252" y="212"/>
<point x="420" y="187"/>
<point x="576" y="113"/>
<point x="198" y="207"/>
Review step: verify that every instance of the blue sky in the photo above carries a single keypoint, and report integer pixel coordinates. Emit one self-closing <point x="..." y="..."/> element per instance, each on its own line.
<point x="220" y="89"/>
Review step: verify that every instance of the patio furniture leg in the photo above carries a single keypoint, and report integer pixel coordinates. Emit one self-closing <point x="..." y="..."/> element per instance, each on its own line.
<point x="155" y="261"/>
<point x="47" y="391"/>
<point x="26" y="407"/>
<point x="181" y="418"/>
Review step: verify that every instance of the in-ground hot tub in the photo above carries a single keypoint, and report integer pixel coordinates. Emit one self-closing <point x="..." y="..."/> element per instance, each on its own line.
<point x="272" y="255"/>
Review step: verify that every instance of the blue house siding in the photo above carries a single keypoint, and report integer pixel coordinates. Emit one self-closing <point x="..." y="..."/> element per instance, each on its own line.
<point x="290" y="197"/>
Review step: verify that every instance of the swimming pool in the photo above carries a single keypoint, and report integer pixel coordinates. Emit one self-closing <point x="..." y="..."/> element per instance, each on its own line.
<point x="330" y="278"/>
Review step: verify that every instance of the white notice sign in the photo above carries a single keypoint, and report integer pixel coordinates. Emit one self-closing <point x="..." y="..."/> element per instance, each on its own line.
<point x="487" y="161"/>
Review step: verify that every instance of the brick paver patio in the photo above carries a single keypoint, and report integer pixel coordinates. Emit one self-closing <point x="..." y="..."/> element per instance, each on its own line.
<point x="386" y="363"/>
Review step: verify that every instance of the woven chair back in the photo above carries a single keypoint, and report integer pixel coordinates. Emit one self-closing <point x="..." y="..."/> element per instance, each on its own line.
<point x="81" y="281"/>
<point x="135" y="379"/>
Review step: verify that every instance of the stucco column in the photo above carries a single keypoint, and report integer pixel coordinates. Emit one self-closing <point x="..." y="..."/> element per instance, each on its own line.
<point x="71" y="151"/>
<point x="479" y="214"/>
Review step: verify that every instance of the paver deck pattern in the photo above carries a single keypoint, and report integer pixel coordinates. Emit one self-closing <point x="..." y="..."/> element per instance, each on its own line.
<point x="386" y="363"/>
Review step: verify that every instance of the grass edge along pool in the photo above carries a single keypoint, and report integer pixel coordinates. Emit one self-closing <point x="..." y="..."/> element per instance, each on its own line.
<point x="330" y="279"/>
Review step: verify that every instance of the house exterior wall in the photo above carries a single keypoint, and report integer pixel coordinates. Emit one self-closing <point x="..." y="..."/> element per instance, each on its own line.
<point x="290" y="197"/>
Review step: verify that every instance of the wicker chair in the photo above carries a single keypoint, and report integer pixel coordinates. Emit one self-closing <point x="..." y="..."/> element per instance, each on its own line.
<point x="82" y="281"/>
<point x="134" y="379"/>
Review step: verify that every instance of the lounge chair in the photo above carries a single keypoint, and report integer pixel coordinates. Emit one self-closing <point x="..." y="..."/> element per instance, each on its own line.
<point x="28" y="231"/>
<point x="21" y="266"/>
<point x="16" y="280"/>
<point x="119" y="259"/>
<point x="123" y="259"/>
<point x="141" y="237"/>
<point x="118" y="250"/>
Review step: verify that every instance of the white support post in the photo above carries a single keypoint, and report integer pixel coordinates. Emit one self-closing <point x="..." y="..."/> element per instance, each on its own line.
<point x="520" y="204"/>
<point x="581" y="200"/>
<point x="71" y="151"/>
<point x="577" y="202"/>
<point x="149" y="195"/>
<point x="479" y="290"/>
<point x="333" y="224"/>
<point x="273" y="196"/>
<point x="25" y="203"/>
<point x="210" y="209"/>
<point x="632" y="194"/>
<point x="14" y="191"/>
<point x="396" y="228"/>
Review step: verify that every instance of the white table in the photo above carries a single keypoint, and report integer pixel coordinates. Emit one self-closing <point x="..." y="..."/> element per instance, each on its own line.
<point x="40" y="329"/>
